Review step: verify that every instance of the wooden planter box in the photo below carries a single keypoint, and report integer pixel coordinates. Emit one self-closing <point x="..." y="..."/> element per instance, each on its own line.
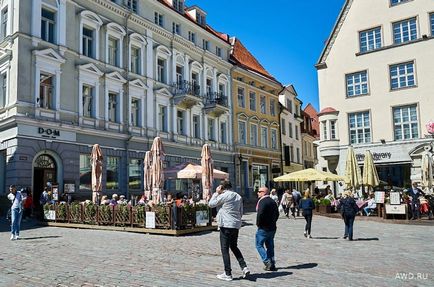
<point x="75" y="213"/>
<point x="90" y="214"/>
<point x="325" y="208"/>
<point x="138" y="215"/>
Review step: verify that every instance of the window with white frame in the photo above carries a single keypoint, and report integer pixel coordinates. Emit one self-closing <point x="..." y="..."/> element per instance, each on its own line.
<point x="252" y="99"/>
<point x="48" y="24"/>
<point x="242" y="132"/>
<point x="431" y="17"/>
<point x="264" y="137"/>
<point x="176" y="28"/>
<point x="291" y="153"/>
<point x="135" y="60"/>
<point x="296" y="132"/>
<point x="46" y="91"/>
<point x="370" y="39"/>
<point x="223" y="133"/>
<point x="196" y="126"/>
<point x="263" y="105"/>
<point x="241" y="98"/>
<point x="332" y="130"/>
<point x="218" y="51"/>
<point x="3" y="91"/>
<point x="4" y="22"/>
<point x="253" y="135"/>
<point x="159" y="19"/>
<point x="178" y="5"/>
<point x="161" y="70"/>
<point x="205" y="44"/>
<point x="274" y="139"/>
<point x="195" y="84"/>
<point x="325" y="130"/>
<point x="135" y="112"/>
<point x="289" y="105"/>
<point x="88" y="45"/>
<point x="209" y="86"/>
<point x="162" y="118"/>
<point x="113" y="107"/>
<point x="402" y="75"/>
<point x="360" y="127"/>
<point x="406" y="124"/>
<point x="357" y="84"/>
<point x="180" y="122"/>
<point x="290" y="130"/>
<point x="272" y="107"/>
<point x="298" y="155"/>
<point x="179" y="75"/>
<point x="396" y="2"/>
<point x="90" y="25"/>
<point x="404" y="31"/>
<point x="88" y="98"/>
<point x="132" y="5"/>
<point x="211" y="129"/>
<point x="283" y="126"/>
<point x="192" y="37"/>
<point x="200" y="18"/>
<point x="113" y="51"/>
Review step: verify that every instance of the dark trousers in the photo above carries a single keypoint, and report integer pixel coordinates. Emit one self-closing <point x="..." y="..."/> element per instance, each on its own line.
<point x="349" y="221"/>
<point x="229" y="240"/>
<point x="415" y="206"/>
<point x="308" y="226"/>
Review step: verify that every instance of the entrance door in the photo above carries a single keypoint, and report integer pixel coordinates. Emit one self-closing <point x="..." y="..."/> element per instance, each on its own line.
<point x="44" y="171"/>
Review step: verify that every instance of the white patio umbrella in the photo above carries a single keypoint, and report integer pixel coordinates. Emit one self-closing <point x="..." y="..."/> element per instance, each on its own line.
<point x="157" y="153"/>
<point x="427" y="169"/>
<point x="147" y="175"/>
<point x="352" y="170"/>
<point x="370" y="175"/>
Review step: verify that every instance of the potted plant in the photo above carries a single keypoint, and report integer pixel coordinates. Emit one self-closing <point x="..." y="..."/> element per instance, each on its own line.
<point x="316" y="201"/>
<point x="325" y="206"/>
<point x="61" y="212"/>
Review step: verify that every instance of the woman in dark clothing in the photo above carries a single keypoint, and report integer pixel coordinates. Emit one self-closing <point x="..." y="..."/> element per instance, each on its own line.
<point x="307" y="205"/>
<point x="348" y="209"/>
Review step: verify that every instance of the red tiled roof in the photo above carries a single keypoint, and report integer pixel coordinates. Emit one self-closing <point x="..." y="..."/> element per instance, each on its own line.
<point x="241" y="56"/>
<point x="327" y="110"/>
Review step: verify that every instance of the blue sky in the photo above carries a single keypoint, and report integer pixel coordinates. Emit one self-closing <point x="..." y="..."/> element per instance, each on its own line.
<point x="286" y="36"/>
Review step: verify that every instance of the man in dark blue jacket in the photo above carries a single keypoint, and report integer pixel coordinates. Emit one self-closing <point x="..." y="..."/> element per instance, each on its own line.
<point x="415" y="192"/>
<point x="266" y="217"/>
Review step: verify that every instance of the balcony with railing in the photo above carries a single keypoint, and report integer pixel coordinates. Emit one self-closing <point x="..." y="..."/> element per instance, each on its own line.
<point x="216" y="103"/>
<point x="186" y="94"/>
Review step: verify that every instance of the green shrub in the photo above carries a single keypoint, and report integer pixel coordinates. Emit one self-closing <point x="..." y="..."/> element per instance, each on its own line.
<point x="325" y="202"/>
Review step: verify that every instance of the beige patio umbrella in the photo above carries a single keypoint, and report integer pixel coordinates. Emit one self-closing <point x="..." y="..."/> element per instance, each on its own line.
<point x="309" y="174"/>
<point x="207" y="172"/>
<point x="157" y="153"/>
<point x="370" y="175"/>
<point x="426" y="169"/>
<point x="352" y="170"/>
<point x="96" y="164"/>
<point x="195" y="171"/>
<point x="147" y="175"/>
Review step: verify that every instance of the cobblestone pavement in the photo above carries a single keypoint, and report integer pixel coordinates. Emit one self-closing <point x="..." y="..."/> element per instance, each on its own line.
<point x="381" y="255"/>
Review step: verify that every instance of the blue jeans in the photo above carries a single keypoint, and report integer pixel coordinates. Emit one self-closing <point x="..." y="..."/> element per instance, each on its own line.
<point x="349" y="221"/>
<point x="16" y="214"/>
<point x="368" y="210"/>
<point x="267" y="238"/>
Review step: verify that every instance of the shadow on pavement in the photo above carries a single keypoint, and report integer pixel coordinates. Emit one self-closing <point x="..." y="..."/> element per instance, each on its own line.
<point x="367" y="239"/>
<point x="39" y="237"/>
<point x="266" y="275"/>
<point x="32" y="223"/>
<point x="324" y="237"/>
<point x="300" y="266"/>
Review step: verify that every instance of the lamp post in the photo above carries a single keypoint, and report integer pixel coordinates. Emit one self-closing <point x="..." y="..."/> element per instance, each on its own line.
<point x="240" y="160"/>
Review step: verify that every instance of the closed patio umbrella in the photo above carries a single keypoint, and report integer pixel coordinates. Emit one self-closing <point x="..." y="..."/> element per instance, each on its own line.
<point x="352" y="170"/>
<point x="370" y="175"/>
<point x="157" y="153"/>
<point x="96" y="164"/>
<point x="309" y="174"/>
<point x="147" y="175"/>
<point x="426" y="169"/>
<point x="207" y="172"/>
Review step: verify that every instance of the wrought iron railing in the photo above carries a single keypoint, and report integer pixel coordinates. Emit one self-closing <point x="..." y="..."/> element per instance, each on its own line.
<point x="216" y="98"/>
<point x="186" y="88"/>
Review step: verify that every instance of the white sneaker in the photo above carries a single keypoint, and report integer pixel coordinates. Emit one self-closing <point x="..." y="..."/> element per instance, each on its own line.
<point x="246" y="272"/>
<point x="13" y="237"/>
<point x="309" y="236"/>
<point x="17" y="237"/>
<point x="224" y="277"/>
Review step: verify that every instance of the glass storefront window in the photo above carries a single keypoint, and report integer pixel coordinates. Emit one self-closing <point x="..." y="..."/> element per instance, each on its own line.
<point x="112" y="172"/>
<point x="135" y="174"/>
<point x="260" y="176"/>
<point x="85" y="172"/>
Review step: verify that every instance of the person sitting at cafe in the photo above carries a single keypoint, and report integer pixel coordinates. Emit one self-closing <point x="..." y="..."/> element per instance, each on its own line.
<point x="371" y="205"/>
<point x="114" y="200"/>
<point x="179" y="202"/>
<point x="105" y="200"/>
<point x="122" y="199"/>
<point x="169" y="199"/>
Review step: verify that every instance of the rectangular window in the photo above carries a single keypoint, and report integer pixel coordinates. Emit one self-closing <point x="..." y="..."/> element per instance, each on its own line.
<point x="223" y="133"/>
<point x="296" y="132"/>
<point x="113" y="51"/>
<point x="112" y="107"/>
<point x="298" y="155"/>
<point x="195" y="84"/>
<point x="135" y="60"/>
<point x="46" y="91"/>
<point x="370" y="39"/>
<point x="291" y="152"/>
<point x="161" y="70"/>
<point x="179" y="76"/>
<point x="176" y="28"/>
<point x="158" y="19"/>
<point x="85" y="172"/>
<point x="135" y="112"/>
<point x="209" y="87"/>
<point x="289" y="105"/>
<point x="87" y="48"/>
<point x="290" y="130"/>
<point x="253" y="135"/>
<point x="263" y="105"/>
<point x="242" y="132"/>
<point x="360" y="128"/>
<point x="404" y="31"/>
<point x="357" y="84"/>
<point x="324" y="130"/>
<point x="196" y="126"/>
<point x="47" y="25"/>
<point x="273" y="139"/>
<point x="405" y="122"/>
<point x="272" y="107"/>
<point x="218" y="51"/>
<point x="264" y="137"/>
<point x="192" y="37"/>
<point x="241" y="98"/>
<point x="396" y="2"/>
<point x="402" y="76"/>
<point x="332" y="130"/>
<point x="4" y="23"/>
<point x="222" y="89"/>
<point x="3" y="85"/>
<point x="211" y="129"/>
<point x="178" y="5"/>
<point x="87" y="94"/>
<point x="205" y="44"/>
<point x="162" y="115"/>
<point x="431" y="17"/>
<point x="132" y="5"/>
<point x="135" y="174"/>
<point x="180" y="122"/>
<point x="112" y="172"/>
<point x="252" y="101"/>
<point x="283" y="127"/>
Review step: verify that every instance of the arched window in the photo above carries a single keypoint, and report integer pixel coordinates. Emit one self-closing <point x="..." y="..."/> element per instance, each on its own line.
<point x="45" y="161"/>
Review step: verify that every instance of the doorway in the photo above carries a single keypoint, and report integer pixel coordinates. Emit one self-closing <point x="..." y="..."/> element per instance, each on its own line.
<point x="44" y="171"/>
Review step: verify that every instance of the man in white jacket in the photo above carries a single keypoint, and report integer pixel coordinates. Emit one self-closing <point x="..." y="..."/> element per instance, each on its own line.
<point x="16" y="211"/>
<point x="230" y="211"/>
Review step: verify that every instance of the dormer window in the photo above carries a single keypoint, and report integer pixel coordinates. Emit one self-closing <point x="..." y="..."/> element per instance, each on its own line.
<point x="178" y="5"/>
<point x="201" y="19"/>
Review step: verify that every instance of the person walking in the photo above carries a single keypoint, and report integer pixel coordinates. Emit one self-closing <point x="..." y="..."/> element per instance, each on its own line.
<point x="288" y="203"/>
<point x="349" y="209"/>
<point x="230" y="211"/>
<point x="266" y="218"/>
<point x="296" y="196"/>
<point x="415" y="192"/>
<point x="16" y="211"/>
<point x="307" y="205"/>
